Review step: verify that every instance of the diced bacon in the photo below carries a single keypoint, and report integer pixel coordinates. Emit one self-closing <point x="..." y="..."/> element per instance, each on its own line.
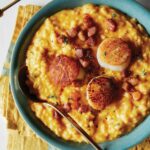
<point x="60" y="39"/>
<point x="91" y="31"/>
<point x="111" y="24"/>
<point x="126" y="86"/>
<point x="83" y="109"/>
<point x="79" y="52"/>
<point x="67" y="107"/>
<point x="84" y="62"/>
<point x="88" y="21"/>
<point x="73" y="32"/>
<point x="91" y="41"/>
<point x="56" y="115"/>
<point x="133" y="81"/>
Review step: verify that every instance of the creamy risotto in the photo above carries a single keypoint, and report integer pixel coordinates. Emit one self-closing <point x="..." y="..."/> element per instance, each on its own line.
<point x="92" y="61"/>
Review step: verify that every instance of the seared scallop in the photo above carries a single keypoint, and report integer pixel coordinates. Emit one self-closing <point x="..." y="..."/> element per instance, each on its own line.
<point x="114" y="54"/>
<point x="100" y="92"/>
<point x="64" y="70"/>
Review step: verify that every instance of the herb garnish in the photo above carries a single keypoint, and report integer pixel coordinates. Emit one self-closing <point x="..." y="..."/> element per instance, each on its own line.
<point x="65" y="40"/>
<point x="52" y="96"/>
<point x="105" y="53"/>
<point x="144" y="72"/>
<point x="114" y="15"/>
<point x="69" y="98"/>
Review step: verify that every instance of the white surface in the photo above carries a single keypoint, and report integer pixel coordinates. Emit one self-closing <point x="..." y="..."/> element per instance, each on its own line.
<point x="7" y="23"/>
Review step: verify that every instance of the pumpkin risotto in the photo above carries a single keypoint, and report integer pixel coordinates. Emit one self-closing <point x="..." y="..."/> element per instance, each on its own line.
<point x="92" y="61"/>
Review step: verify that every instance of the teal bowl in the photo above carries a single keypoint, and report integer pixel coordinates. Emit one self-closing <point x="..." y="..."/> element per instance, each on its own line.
<point x="129" y="7"/>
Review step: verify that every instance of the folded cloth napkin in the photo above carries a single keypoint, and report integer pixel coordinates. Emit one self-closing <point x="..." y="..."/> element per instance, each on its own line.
<point x="20" y="136"/>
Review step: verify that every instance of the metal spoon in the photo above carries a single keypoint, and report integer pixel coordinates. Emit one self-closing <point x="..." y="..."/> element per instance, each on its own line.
<point x="8" y="6"/>
<point x="22" y="77"/>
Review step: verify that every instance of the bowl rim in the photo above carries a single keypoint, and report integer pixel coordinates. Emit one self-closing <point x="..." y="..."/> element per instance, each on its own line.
<point x="131" y="5"/>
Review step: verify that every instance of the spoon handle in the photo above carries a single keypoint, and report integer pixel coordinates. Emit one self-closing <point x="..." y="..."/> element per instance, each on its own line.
<point x="8" y="6"/>
<point x="76" y="125"/>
